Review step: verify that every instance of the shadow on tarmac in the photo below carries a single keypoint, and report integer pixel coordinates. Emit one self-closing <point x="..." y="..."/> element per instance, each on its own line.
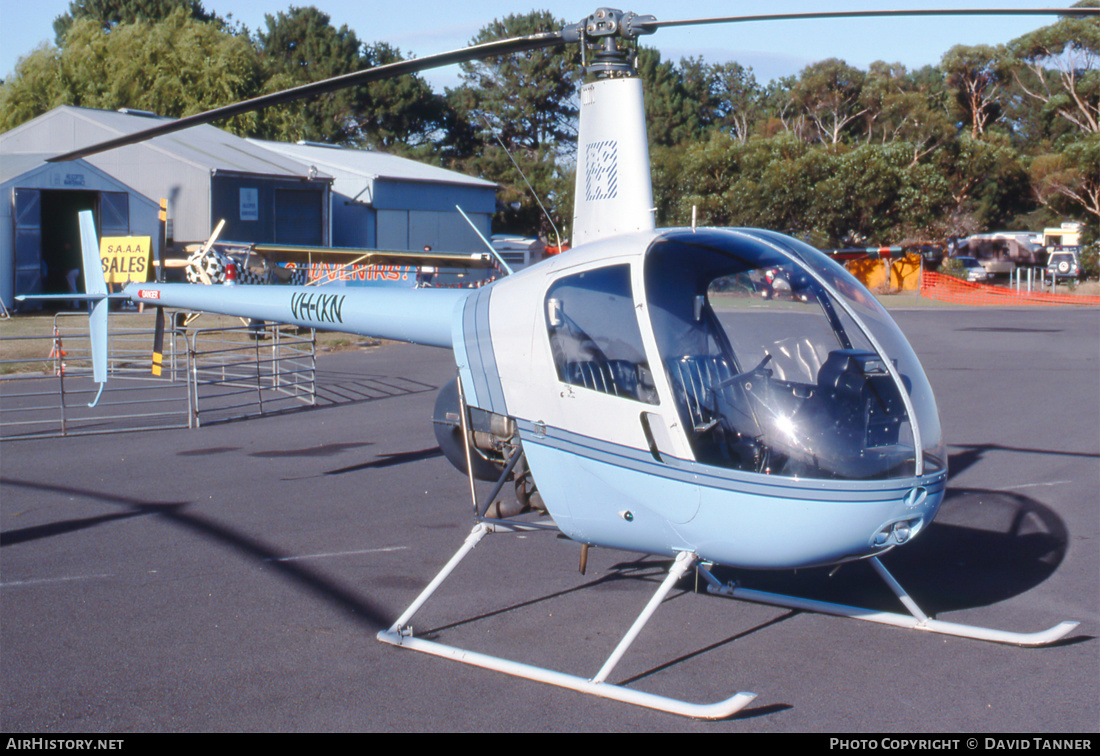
<point x="176" y="513"/>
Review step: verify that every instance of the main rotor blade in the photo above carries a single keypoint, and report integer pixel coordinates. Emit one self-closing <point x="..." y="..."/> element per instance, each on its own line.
<point x="414" y="65"/>
<point x="505" y="47"/>
<point x="654" y="25"/>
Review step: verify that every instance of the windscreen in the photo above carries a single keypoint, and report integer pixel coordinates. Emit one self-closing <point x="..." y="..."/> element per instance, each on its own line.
<point x="781" y="363"/>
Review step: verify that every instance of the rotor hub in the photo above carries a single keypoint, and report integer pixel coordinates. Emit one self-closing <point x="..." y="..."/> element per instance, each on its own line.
<point x="602" y="29"/>
<point x="611" y="22"/>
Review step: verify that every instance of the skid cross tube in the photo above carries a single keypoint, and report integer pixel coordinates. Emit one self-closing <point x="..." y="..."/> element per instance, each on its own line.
<point x="399" y="634"/>
<point x="915" y="620"/>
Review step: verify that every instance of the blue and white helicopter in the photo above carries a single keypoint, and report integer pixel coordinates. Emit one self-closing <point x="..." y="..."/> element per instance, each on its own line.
<point x="658" y="401"/>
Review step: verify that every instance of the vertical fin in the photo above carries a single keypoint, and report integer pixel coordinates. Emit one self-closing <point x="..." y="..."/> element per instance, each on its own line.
<point x="95" y="284"/>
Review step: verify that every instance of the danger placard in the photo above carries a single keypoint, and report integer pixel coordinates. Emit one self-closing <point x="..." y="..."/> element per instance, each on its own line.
<point x="125" y="258"/>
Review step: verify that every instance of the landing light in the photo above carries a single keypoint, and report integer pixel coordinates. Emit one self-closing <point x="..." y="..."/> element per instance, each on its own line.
<point x="897" y="532"/>
<point x="902" y="531"/>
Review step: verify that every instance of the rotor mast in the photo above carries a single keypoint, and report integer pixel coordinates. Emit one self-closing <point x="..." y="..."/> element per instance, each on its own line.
<point x="614" y="192"/>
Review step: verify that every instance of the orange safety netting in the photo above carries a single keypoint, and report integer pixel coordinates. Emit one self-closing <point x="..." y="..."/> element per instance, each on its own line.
<point x="949" y="289"/>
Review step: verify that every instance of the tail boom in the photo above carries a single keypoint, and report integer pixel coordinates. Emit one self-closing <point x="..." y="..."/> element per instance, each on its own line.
<point x="418" y="316"/>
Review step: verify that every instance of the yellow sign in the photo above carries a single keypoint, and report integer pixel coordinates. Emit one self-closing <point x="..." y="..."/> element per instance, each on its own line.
<point x="125" y="258"/>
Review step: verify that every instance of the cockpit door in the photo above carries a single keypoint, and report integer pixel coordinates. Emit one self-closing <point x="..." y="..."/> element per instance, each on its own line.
<point x="608" y="391"/>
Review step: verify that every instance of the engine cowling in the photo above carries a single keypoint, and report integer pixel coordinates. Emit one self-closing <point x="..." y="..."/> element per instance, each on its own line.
<point x="492" y="437"/>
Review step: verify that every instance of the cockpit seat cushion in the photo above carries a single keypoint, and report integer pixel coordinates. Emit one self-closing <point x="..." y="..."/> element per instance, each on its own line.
<point x="692" y="378"/>
<point x="615" y="377"/>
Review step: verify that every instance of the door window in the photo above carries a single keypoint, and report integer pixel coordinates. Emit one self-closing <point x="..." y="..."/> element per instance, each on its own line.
<point x="594" y="336"/>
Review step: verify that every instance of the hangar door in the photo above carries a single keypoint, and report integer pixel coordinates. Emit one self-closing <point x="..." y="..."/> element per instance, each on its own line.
<point x="299" y="217"/>
<point x="47" y="234"/>
<point x="413" y="229"/>
<point x="28" y="241"/>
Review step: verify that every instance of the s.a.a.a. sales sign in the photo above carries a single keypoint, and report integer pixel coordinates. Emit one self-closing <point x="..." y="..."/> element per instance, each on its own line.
<point x="125" y="258"/>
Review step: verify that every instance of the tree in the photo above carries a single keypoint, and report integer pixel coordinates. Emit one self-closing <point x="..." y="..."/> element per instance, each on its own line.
<point x="299" y="47"/>
<point x="521" y="108"/>
<point x="700" y="86"/>
<point x="671" y="115"/>
<point x="977" y="75"/>
<point x="110" y="13"/>
<point x="174" y="67"/>
<point x="1069" y="181"/>
<point x="34" y="88"/>
<point x="782" y="112"/>
<point x="986" y="182"/>
<point x="765" y="183"/>
<point x="1059" y="65"/>
<point x="900" y="106"/>
<point x="829" y="94"/>
<point x="739" y="99"/>
<point x="888" y="101"/>
<point x="400" y="115"/>
<point x="1057" y="69"/>
<point x="875" y="194"/>
<point x="528" y="101"/>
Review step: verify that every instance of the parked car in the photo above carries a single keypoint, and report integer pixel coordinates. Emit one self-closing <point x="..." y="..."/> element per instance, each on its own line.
<point x="974" y="269"/>
<point x="1063" y="263"/>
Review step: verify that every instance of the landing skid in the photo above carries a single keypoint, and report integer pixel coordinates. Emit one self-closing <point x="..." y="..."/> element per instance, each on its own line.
<point x="915" y="620"/>
<point x="400" y="634"/>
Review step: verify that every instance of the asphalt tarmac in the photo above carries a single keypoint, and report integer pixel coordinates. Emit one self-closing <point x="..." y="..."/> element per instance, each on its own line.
<point x="232" y="578"/>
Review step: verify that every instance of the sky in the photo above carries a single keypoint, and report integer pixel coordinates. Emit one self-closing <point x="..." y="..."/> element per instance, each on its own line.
<point x="772" y="49"/>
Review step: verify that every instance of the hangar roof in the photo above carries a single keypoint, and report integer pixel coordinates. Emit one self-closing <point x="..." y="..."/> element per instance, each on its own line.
<point x="17" y="164"/>
<point x="346" y="162"/>
<point x="26" y="165"/>
<point x="204" y="146"/>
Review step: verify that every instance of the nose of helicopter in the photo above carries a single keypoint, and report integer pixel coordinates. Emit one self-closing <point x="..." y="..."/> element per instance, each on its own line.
<point x="823" y="526"/>
<point x="900" y="531"/>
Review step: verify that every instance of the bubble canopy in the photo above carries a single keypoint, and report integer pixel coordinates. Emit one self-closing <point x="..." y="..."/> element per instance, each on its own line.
<point x="782" y="363"/>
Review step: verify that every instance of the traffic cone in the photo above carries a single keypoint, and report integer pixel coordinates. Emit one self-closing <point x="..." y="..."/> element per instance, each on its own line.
<point x="57" y="353"/>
